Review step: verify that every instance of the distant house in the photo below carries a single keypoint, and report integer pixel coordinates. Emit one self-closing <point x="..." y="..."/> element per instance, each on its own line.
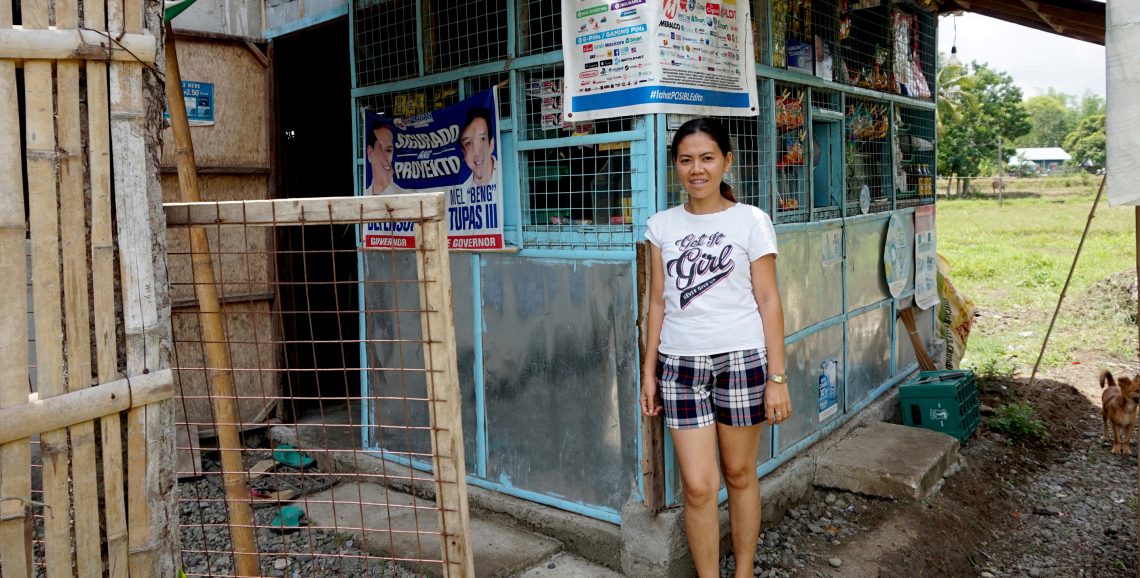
<point x="1044" y="160"/>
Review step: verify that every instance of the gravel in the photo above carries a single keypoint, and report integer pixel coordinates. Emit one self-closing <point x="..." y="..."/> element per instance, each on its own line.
<point x="1078" y="515"/>
<point x="300" y="554"/>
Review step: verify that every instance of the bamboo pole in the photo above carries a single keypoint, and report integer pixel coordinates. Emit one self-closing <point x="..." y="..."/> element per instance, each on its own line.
<point x="280" y="212"/>
<point x="103" y="291"/>
<point x="68" y="409"/>
<point x="1065" y="289"/>
<point x="46" y="292"/>
<point x="149" y="430"/>
<point x="213" y="334"/>
<point x="15" y="457"/>
<point x="73" y="241"/>
<point x="73" y="44"/>
<point x="443" y="388"/>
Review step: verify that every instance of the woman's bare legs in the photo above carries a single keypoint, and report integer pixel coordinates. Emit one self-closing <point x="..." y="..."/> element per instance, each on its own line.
<point x="696" y="455"/>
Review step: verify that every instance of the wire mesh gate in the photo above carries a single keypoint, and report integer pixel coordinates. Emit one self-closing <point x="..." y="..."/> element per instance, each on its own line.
<point x="286" y="275"/>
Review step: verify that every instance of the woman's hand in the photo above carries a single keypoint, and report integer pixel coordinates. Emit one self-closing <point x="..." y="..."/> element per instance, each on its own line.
<point x="650" y="401"/>
<point x="777" y="403"/>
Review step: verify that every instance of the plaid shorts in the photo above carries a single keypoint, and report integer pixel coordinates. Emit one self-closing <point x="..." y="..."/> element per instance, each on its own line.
<point x="729" y="387"/>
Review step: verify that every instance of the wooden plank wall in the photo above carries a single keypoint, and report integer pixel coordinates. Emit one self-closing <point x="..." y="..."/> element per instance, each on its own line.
<point x="234" y="159"/>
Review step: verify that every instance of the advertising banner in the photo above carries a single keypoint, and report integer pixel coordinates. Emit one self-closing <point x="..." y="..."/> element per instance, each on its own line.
<point x="925" y="258"/>
<point x="628" y="57"/>
<point x="453" y="149"/>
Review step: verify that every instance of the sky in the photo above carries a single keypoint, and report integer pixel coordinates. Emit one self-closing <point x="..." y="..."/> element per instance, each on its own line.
<point x="1036" y="60"/>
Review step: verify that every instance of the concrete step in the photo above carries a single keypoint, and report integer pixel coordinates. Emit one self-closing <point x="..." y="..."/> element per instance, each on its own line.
<point x="392" y="523"/>
<point x="888" y="460"/>
<point x="566" y="565"/>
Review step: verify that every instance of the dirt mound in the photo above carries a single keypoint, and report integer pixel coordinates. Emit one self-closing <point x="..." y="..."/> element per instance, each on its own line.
<point x="1112" y="299"/>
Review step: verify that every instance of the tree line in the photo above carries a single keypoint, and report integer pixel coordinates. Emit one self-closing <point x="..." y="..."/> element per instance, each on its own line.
<point x="977" y="105"/>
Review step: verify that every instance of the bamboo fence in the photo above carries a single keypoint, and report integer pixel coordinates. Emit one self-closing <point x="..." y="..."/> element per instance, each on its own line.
<point x="84" y="104"/>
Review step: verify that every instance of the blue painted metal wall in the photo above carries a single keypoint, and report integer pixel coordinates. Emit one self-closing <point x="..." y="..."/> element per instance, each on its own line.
<point x="547" y="336"/>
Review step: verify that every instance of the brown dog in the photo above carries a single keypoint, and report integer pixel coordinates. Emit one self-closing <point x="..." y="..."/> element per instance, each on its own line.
<point x="1119" y="403"/>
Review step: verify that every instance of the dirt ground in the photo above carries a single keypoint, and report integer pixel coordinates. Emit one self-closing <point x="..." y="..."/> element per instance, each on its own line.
<point x="1067" y="507"/>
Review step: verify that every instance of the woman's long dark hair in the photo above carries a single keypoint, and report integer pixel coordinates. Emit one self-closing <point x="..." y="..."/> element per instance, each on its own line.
<point x="717" y="132"/>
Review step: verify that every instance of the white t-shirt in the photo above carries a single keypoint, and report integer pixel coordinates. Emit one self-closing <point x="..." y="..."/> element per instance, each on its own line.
<point x="709" y="304"/>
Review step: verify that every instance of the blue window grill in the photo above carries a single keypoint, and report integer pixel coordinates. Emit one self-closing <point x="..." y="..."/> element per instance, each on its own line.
<point x="868" y="156"/>
<point x="914" y="156"/>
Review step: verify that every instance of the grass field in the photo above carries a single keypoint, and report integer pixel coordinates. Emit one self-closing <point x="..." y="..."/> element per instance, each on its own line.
<point x="1012" y="262"/>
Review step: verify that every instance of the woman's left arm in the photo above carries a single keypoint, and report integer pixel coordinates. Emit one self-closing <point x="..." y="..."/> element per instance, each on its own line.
<point x="777" y="402"/>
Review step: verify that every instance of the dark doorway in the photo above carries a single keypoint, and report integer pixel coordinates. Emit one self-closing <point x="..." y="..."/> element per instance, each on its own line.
<point x="317" y="264"/>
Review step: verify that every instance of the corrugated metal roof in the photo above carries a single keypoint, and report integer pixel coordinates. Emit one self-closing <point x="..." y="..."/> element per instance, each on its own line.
<point x="1043" y="154"/>
<point x="1080" y="19"/>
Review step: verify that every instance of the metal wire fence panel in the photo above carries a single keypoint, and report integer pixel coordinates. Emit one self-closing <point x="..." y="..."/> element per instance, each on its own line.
<point x="540" y="26"/>
<point x="868" y="156"/>
<point x="386" y="41"/>
<point x="461" y="33"/>
<point x="792" y="169"/>
<point x="290" y="288"/>
<point x="914" y="156"/>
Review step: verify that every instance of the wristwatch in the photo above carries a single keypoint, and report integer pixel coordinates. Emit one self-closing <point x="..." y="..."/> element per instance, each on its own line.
<point x="777" y="378"/>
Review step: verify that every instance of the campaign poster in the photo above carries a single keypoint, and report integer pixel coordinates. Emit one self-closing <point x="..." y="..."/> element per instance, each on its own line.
<point x="629" y="57"/>
<point x="925" y="258"/>
<point x="453" y="149"/>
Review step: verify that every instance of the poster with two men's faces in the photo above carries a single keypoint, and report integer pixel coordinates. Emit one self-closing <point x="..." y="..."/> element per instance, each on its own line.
<point x="454" y="150"/>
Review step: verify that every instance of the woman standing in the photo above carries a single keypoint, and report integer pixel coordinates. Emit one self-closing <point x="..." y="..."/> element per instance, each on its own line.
<point x="716" y="343"/>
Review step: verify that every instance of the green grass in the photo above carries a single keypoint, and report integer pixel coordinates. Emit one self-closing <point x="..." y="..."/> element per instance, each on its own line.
<point x="1019" y="423"/>
<point x="1012" y="261"/>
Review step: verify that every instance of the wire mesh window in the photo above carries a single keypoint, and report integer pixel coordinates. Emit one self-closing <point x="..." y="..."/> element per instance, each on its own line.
<point x="290" y="318"/>
<point x="478" y="84"/>
<point x="760" y="31"/>
<point x="864" y="44"/>
<point x="912" y="41"/>
<point x="540" y="26"/>
<point x="825" y="101"/>
<point x="464" y="32"/>
<point x="791" y="203"/>
<point x="914" y="154"/>
<point x="385" y="41"/>
<point x="544" y="109"/>
<point x="750" y="176"/>
<point x="579" y="196"/>
<point x="868" y="156"/>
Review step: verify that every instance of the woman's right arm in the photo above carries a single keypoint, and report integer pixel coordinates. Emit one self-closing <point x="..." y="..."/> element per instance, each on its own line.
<point x="650" y="400"/>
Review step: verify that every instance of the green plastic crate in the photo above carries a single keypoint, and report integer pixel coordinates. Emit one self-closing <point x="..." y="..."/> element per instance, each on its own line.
<point x="945" y="401"/>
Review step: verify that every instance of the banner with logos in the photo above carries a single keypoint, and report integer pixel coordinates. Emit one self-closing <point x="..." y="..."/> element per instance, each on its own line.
<point x="453" y="149"/>
<point x="628" y="57"/>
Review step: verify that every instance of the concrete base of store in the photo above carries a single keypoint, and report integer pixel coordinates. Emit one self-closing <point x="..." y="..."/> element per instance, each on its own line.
<point x="644" y="545"/>
<point x="888" y="460"/>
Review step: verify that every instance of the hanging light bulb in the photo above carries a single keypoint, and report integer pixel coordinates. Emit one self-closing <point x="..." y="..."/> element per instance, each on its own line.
<point x="954" y="60"/>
